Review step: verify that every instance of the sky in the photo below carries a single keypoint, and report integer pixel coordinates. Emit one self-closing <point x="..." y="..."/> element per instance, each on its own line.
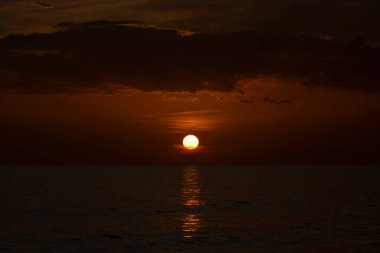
<point x="122" y="82"/>
<point x="339" y="18"/>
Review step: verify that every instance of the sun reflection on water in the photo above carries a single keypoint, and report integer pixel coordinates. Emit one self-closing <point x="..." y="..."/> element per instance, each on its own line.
<point x="191" y="199"/>
<point x="190" y="224"/>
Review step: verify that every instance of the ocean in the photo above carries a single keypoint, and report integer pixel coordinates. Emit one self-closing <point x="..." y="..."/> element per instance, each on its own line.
<point x="190" y="209"/>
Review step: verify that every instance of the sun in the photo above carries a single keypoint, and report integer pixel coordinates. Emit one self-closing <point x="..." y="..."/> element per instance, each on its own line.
<point x="190" y="142"/>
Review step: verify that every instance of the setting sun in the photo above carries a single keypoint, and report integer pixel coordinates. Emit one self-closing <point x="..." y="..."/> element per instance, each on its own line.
<point x="190" y="142"/>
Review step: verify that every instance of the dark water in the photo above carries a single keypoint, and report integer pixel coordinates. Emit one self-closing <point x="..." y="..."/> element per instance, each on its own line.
<point x="190" y="209"/>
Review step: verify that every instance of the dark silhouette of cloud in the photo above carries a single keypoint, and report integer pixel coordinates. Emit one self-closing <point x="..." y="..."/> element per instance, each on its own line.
<point x="42" y="5"/>
<point x="111" y="55"/>
<point x="283" y="101"/>
<point x="276" y="101"/>
<point x="246" y="101"/>
<point x="97" y="24"/>
<point x="339" y="18"/>
<point x="345" y="18"/>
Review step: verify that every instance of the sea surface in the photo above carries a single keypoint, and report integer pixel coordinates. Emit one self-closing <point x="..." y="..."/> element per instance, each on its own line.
<point x="190" y="209"/>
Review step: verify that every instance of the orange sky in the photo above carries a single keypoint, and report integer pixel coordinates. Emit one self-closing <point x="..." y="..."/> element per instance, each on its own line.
<point x="318" y="126"/>
<point x="118" y="82"/>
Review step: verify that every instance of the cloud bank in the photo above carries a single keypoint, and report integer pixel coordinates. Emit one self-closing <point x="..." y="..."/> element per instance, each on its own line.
<point x="107" y="56"/>
<point x="42" y="5"/>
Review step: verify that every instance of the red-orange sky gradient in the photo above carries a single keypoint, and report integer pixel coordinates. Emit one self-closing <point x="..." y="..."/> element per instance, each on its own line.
<point x="89" y="84"/>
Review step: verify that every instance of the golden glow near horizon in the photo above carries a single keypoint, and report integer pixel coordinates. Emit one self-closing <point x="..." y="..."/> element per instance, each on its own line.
<point x="190" y="142"/>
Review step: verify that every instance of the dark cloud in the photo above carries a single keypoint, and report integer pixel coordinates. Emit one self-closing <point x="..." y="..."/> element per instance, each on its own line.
<point x="267" y="100"/>
<point x="283" y="101"/>
<point x="345" y="18"/>
<point x="247" y="101"/>
<point x="108" y="55"/>
<point x="97" y="24"/>
<point x="42" y="5"/>
<point x="276" y="101"/>
<point x="338" y="18"/>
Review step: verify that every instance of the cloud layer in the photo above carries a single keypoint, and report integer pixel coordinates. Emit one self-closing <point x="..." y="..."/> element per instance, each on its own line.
<point x="107" y="56"/>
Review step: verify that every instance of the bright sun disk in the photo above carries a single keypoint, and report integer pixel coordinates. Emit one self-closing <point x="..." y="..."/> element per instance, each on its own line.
<point x="190" y="142"/>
